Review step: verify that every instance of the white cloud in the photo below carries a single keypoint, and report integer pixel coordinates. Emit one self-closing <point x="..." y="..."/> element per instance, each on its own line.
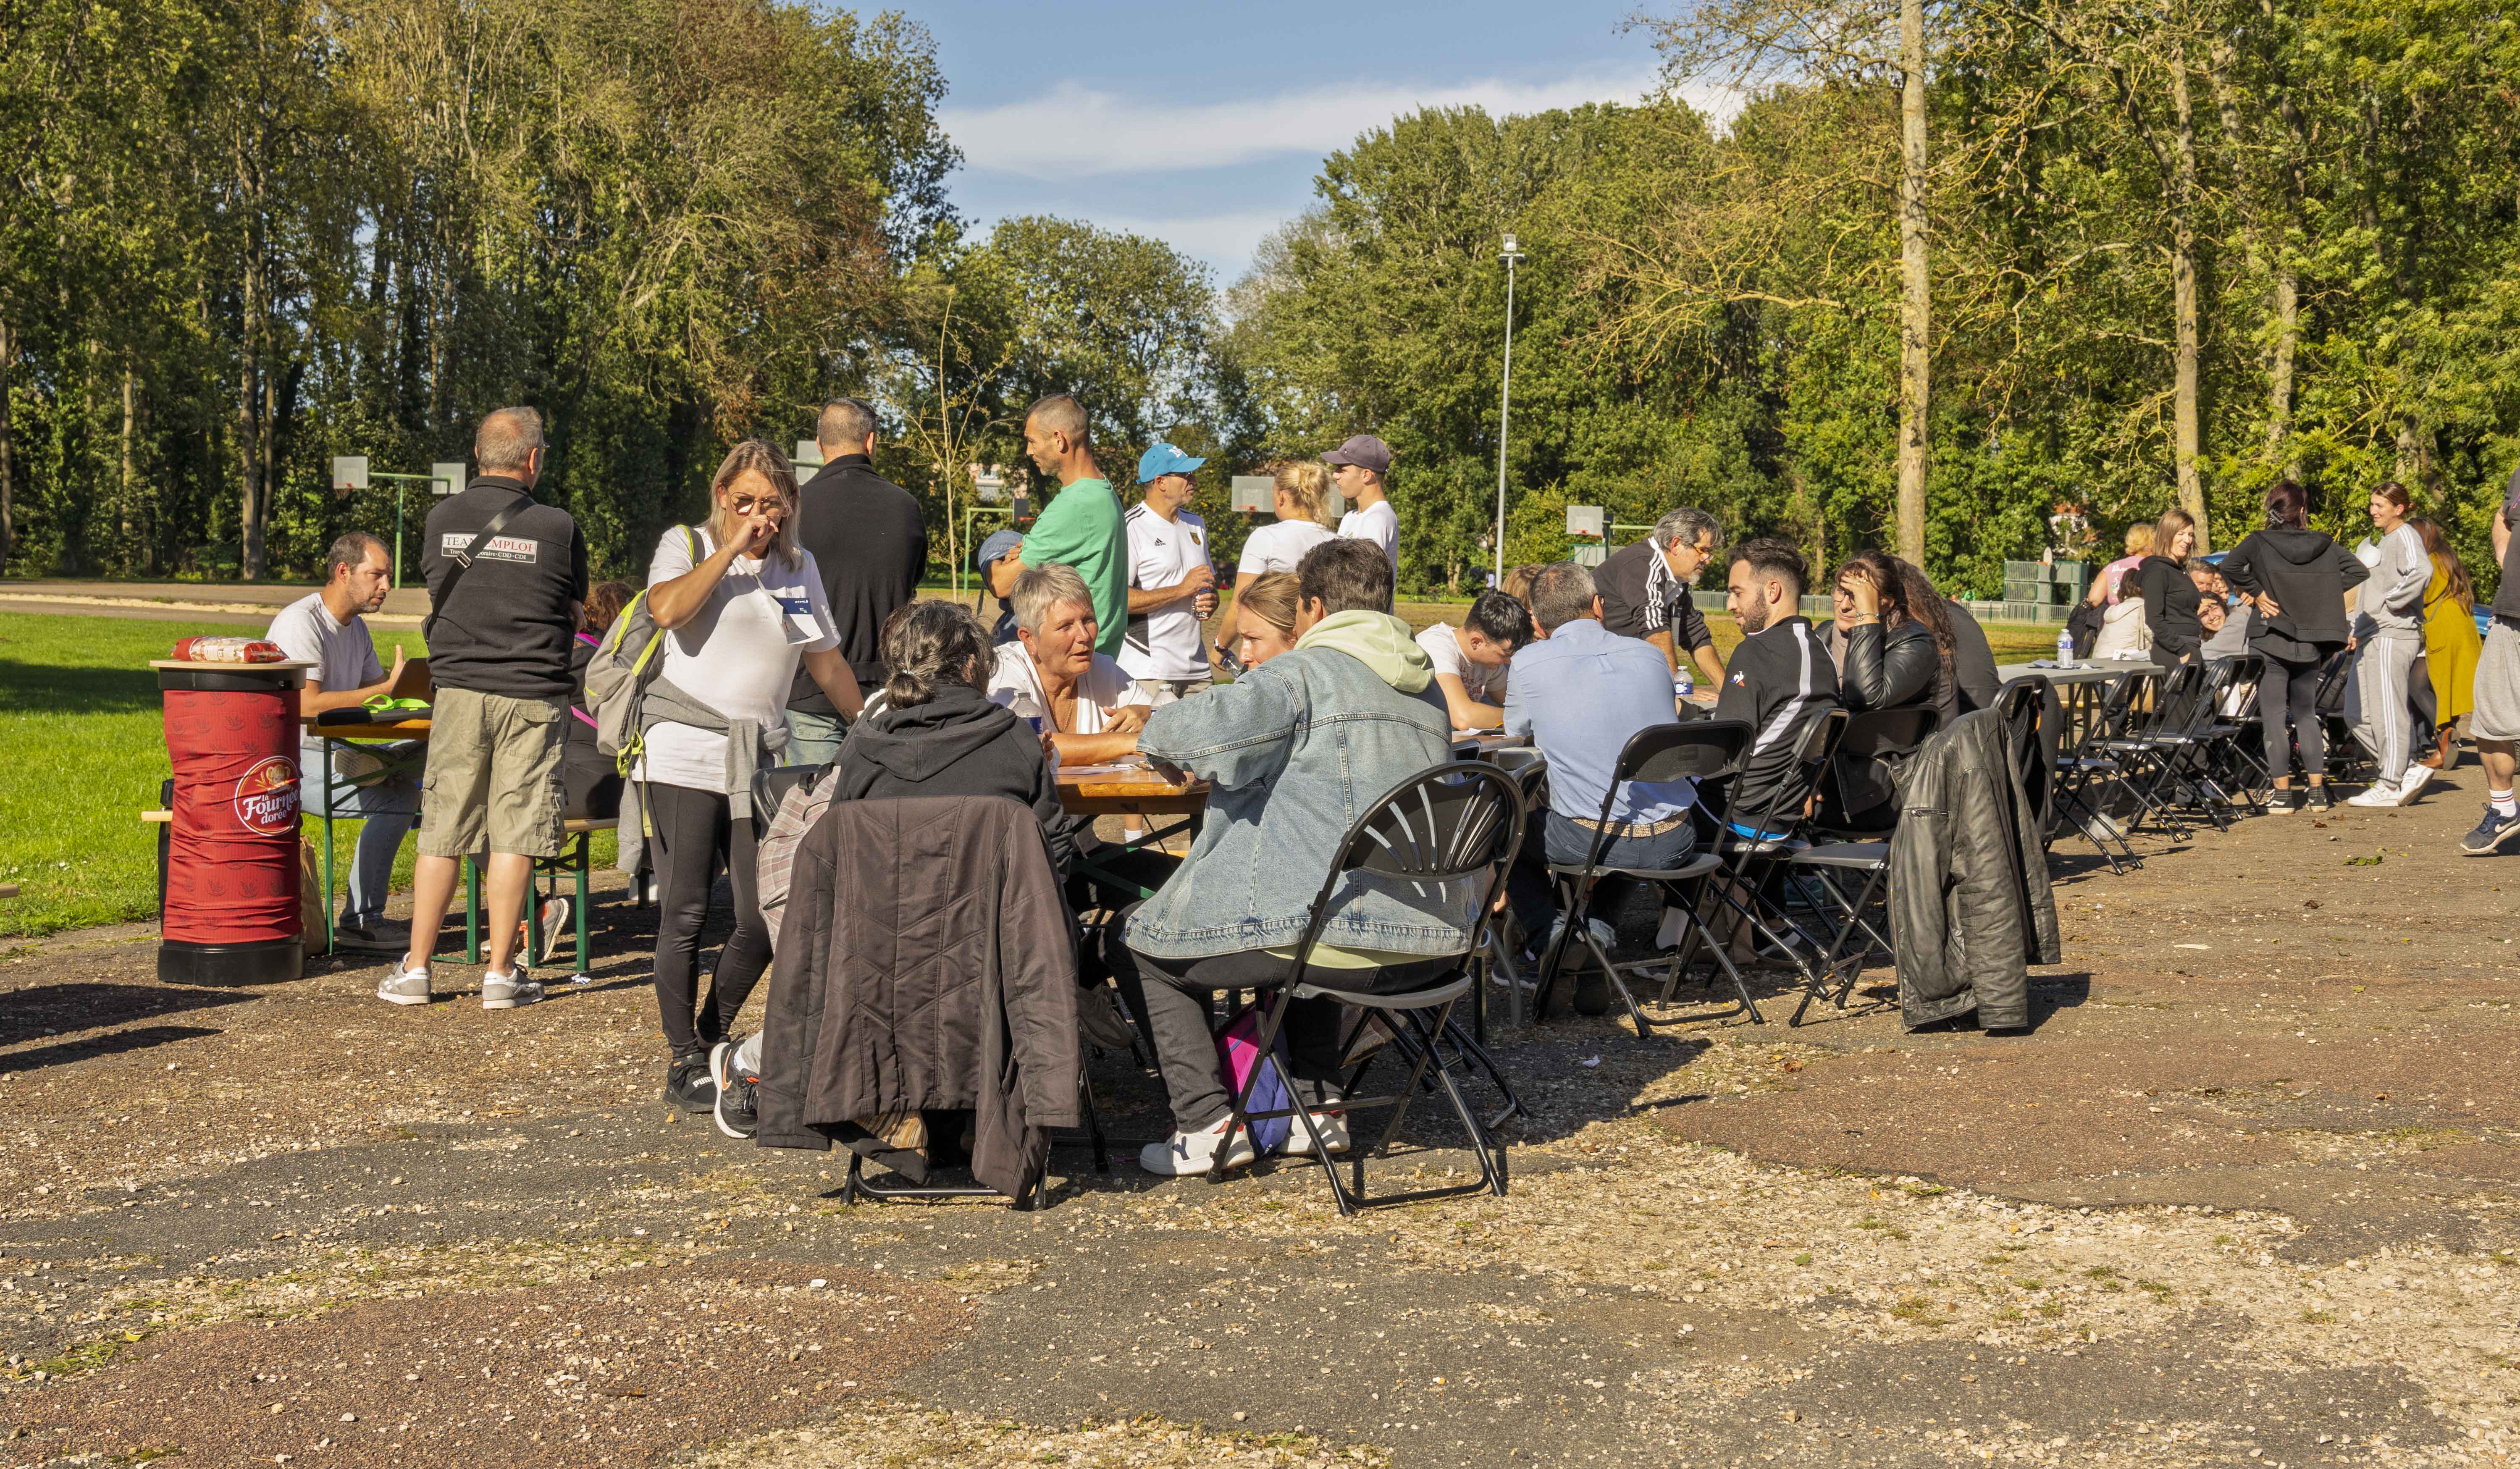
<point x="1218" y="239"/>
<point x="1074" y="130"/>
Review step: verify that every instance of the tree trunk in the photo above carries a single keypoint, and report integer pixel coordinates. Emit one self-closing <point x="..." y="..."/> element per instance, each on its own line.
<point x="1915" y="304"/>
<point x="2279" y="370"/>
<point x="125" y="530"/>
<point x="7" y="449"/>
<point x="2187" y="437"/>
<point x="248" y="437"/>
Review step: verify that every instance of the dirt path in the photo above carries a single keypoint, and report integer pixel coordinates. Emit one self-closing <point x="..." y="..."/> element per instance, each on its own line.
<point x="2244" y="1195"/>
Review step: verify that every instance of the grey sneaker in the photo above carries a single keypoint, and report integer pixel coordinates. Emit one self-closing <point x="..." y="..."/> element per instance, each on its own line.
<point x="506" y="992"/>
<point x="405" y="986"/>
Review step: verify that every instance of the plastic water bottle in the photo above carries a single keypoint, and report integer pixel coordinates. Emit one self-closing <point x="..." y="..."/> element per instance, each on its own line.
<point x="1683" y="682"/>
<point x="2065" y="650"/>
<point x="1029" y="709"/>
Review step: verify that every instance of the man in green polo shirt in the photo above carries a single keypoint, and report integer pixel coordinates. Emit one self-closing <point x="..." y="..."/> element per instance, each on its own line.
<point x="1081" y="529"/>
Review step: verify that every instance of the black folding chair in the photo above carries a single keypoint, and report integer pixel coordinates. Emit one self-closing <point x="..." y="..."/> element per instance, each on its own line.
<point x="1498" y="946"/>
<point x="1701" y="750"/>
<point x="2232" y="754"/>
<point x="1875" y="734"/>
<point x="2087" y="769"/>
<point x="1754" y="860"/>
<point x="1446" y="824"/>
<point x="2347" y="760"/>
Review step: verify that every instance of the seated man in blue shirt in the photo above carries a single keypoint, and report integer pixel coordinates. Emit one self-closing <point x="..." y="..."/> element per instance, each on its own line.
<point x="1582" y="691"/>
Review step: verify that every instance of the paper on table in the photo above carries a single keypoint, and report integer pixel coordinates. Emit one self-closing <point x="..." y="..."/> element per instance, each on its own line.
<point x="1107" y="768"/>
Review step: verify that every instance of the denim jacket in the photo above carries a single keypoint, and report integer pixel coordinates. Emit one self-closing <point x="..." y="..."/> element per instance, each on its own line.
<point x="1295" y="750"/>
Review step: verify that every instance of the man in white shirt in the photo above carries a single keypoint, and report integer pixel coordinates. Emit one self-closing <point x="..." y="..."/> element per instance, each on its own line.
<point x="380" y="784"/>
<point x="1359" y="466"/>
<point x="1471" y="660"/>
<point x="1172" y="587"/>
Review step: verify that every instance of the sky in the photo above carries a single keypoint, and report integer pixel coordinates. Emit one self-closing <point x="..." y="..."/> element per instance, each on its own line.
<point x="1203" y="125"/>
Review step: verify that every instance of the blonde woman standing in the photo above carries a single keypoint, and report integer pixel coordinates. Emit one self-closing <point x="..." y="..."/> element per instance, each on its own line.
<point x="741" y="605"/>
<point x="1301" y="496"/>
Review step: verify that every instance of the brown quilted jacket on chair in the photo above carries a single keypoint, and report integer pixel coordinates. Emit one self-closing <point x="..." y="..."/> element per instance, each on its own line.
<point x="925" y="963"/>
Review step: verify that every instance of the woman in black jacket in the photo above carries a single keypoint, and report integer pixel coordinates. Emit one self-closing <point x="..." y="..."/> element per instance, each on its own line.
<point x="1897" y="654"/>
<point x="2294" y="580"/>
<point x="2170" y="595"/>
<point x="938" y="734"/>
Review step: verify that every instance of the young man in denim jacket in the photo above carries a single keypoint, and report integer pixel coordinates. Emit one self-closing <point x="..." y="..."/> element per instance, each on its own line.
<point x="1294" y="751"/>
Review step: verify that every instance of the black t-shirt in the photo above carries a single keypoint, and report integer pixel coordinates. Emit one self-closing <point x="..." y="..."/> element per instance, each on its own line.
<point x="509" y="627"/>
<point x="1779" y="682"/>
<point x="2506" y="596"/>
<point x="1640" y="596"/>
<point x="870" y="545"/>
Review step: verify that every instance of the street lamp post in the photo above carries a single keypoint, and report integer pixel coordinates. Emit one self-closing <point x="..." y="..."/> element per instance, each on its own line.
<point x="1505" y="405"/>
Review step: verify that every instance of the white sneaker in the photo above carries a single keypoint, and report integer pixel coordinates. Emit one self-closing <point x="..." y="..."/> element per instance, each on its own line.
<point x="507" y="992"/>
<point x="1189" y="1153"/>
<point x="1300" y="1144"/>
<point x="404" y="986"/>
<point x="2416" y="776"/>
<point x="2381" y="794"/>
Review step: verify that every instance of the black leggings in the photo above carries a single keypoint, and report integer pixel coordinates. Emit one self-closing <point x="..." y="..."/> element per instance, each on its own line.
<point x="2288" y="699"/>
<point x="695" y="835"/>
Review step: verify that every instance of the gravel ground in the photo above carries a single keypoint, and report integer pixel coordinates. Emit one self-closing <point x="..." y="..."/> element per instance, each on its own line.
<point x="2243" y="1195"/>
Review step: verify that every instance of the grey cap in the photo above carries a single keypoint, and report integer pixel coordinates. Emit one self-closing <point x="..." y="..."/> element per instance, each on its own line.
<point x="1364" y="451"/>
<point x="999" y="543"/>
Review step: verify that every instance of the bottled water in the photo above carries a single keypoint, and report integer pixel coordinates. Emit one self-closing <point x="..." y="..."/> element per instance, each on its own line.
<point x="1683" y="682"/>
<point x="2065" y="650"/>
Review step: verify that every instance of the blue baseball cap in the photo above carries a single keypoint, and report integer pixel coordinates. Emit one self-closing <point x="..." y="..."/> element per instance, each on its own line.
<point x="1163" y="459"/>
<point x="999" y="543"/>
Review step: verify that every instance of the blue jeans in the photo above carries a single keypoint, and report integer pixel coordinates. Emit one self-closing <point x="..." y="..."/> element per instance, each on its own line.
<point x="814" y="739"/>
<point x="386" y="803"/>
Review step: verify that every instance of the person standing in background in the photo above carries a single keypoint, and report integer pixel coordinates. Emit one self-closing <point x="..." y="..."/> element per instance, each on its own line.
<point x="865" y="535"/>
<point x="1301" y="496"/>
<point x="2295" y="580"/>
<point x="1360" y="467"/>
<point x="506" y="578"/>
<point x="1081" y="527"/>
<point x="2169" y="593"/>
<point x="326" y="629"/>
<point x="1172" y="587"/>
<point x="1645" y="591"/>
<point x="2391" y="632"/>
<point x="2494" y="724"/>
<point x="2451" y="641"/>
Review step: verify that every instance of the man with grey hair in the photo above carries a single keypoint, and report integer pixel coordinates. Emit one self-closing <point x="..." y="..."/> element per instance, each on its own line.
<point x="1645" y="591"/>
<point x="871" y="547"/>
<point x="1581" y="692"/>
<point x="506" y="575"/>
<point x="378" y="784"/>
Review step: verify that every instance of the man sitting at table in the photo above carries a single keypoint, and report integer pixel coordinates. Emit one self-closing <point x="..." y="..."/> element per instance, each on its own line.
<point x="376" y="784"/>
<point x="1582" y="691"/>
<point x="1295" y="751"/>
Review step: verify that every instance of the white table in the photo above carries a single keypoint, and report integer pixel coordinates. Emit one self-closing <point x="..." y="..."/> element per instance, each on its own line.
<point x="2083" y="671"/>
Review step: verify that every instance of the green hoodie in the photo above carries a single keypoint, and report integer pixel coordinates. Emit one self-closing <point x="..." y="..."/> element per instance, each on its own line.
<point x="1378" y="641"/>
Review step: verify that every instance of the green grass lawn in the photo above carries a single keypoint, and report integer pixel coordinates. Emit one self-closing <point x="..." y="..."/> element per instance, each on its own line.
<point x="82" y="752"/>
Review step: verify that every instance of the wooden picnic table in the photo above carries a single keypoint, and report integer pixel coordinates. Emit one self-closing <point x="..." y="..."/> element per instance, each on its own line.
<point x="1128" y="790"/>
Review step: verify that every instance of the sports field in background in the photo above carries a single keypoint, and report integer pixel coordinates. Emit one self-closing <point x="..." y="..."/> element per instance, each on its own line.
<point x="82" y="752"/>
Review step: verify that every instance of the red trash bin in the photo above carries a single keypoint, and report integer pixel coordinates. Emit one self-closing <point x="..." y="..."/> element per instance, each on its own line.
<point x="230" y="914"/>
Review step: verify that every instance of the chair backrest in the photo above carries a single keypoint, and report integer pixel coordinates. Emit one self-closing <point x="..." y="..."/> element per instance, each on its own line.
<point x="1889" y="734"/>
<point x="1819" y="741"/>
<point x="1445" y="823"/>
<point x="2024" y="706"/>
<point x="1705" y="750"/>
<point x="2187" y="701"/>
<point x="2236" y="689"/>
<point x="2332" y="682"/>
<point x="771" y="786"/>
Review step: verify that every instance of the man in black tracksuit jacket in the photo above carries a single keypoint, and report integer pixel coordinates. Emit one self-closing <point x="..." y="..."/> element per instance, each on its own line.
<point x="1779" y="682"/>
<point x="870" y="546"/>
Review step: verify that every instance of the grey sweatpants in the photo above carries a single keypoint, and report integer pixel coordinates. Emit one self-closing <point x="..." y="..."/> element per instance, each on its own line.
<point x="2384" y="670"/>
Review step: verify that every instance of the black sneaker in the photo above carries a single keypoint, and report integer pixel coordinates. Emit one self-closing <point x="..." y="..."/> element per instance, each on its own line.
<point x="2282" y="802"/>
<point x="687" y="1084"/>
<point x="2318" y="800"/>
<point x="1098" y="1019"/>
<point x="736" y="1111"/>
<point x="1592" y="993"/>
<point x="2491" y="835"/>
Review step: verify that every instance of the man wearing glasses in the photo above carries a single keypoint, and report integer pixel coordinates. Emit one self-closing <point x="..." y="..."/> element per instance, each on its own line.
<point x="506" y="576"/>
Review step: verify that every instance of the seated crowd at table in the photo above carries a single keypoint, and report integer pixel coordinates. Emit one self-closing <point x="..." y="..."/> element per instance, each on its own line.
<point x="787" y="633"/>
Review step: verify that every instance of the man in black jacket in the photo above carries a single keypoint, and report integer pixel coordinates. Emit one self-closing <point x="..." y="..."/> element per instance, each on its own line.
<point x="506" y="578"/>
<point x="870" y="546"/>
<point x="1779" y="682"/>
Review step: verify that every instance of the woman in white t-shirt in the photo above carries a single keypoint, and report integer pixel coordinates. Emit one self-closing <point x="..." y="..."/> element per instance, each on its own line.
<point x="741" y="605"/>
<point x="1470" y="660"/>
<point x="1302" y="496"/>
<point x="1087" y="703"/>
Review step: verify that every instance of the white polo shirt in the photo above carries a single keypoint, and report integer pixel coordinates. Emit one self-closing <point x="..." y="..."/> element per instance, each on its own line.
<point x="1166" y="643"/>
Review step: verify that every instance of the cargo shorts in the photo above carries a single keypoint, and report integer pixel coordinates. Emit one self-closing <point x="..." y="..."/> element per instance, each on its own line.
<point x="494" y="776"/>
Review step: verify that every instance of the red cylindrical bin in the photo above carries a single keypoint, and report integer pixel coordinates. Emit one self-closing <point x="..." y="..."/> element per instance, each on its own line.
<point x="230" y="915"/>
